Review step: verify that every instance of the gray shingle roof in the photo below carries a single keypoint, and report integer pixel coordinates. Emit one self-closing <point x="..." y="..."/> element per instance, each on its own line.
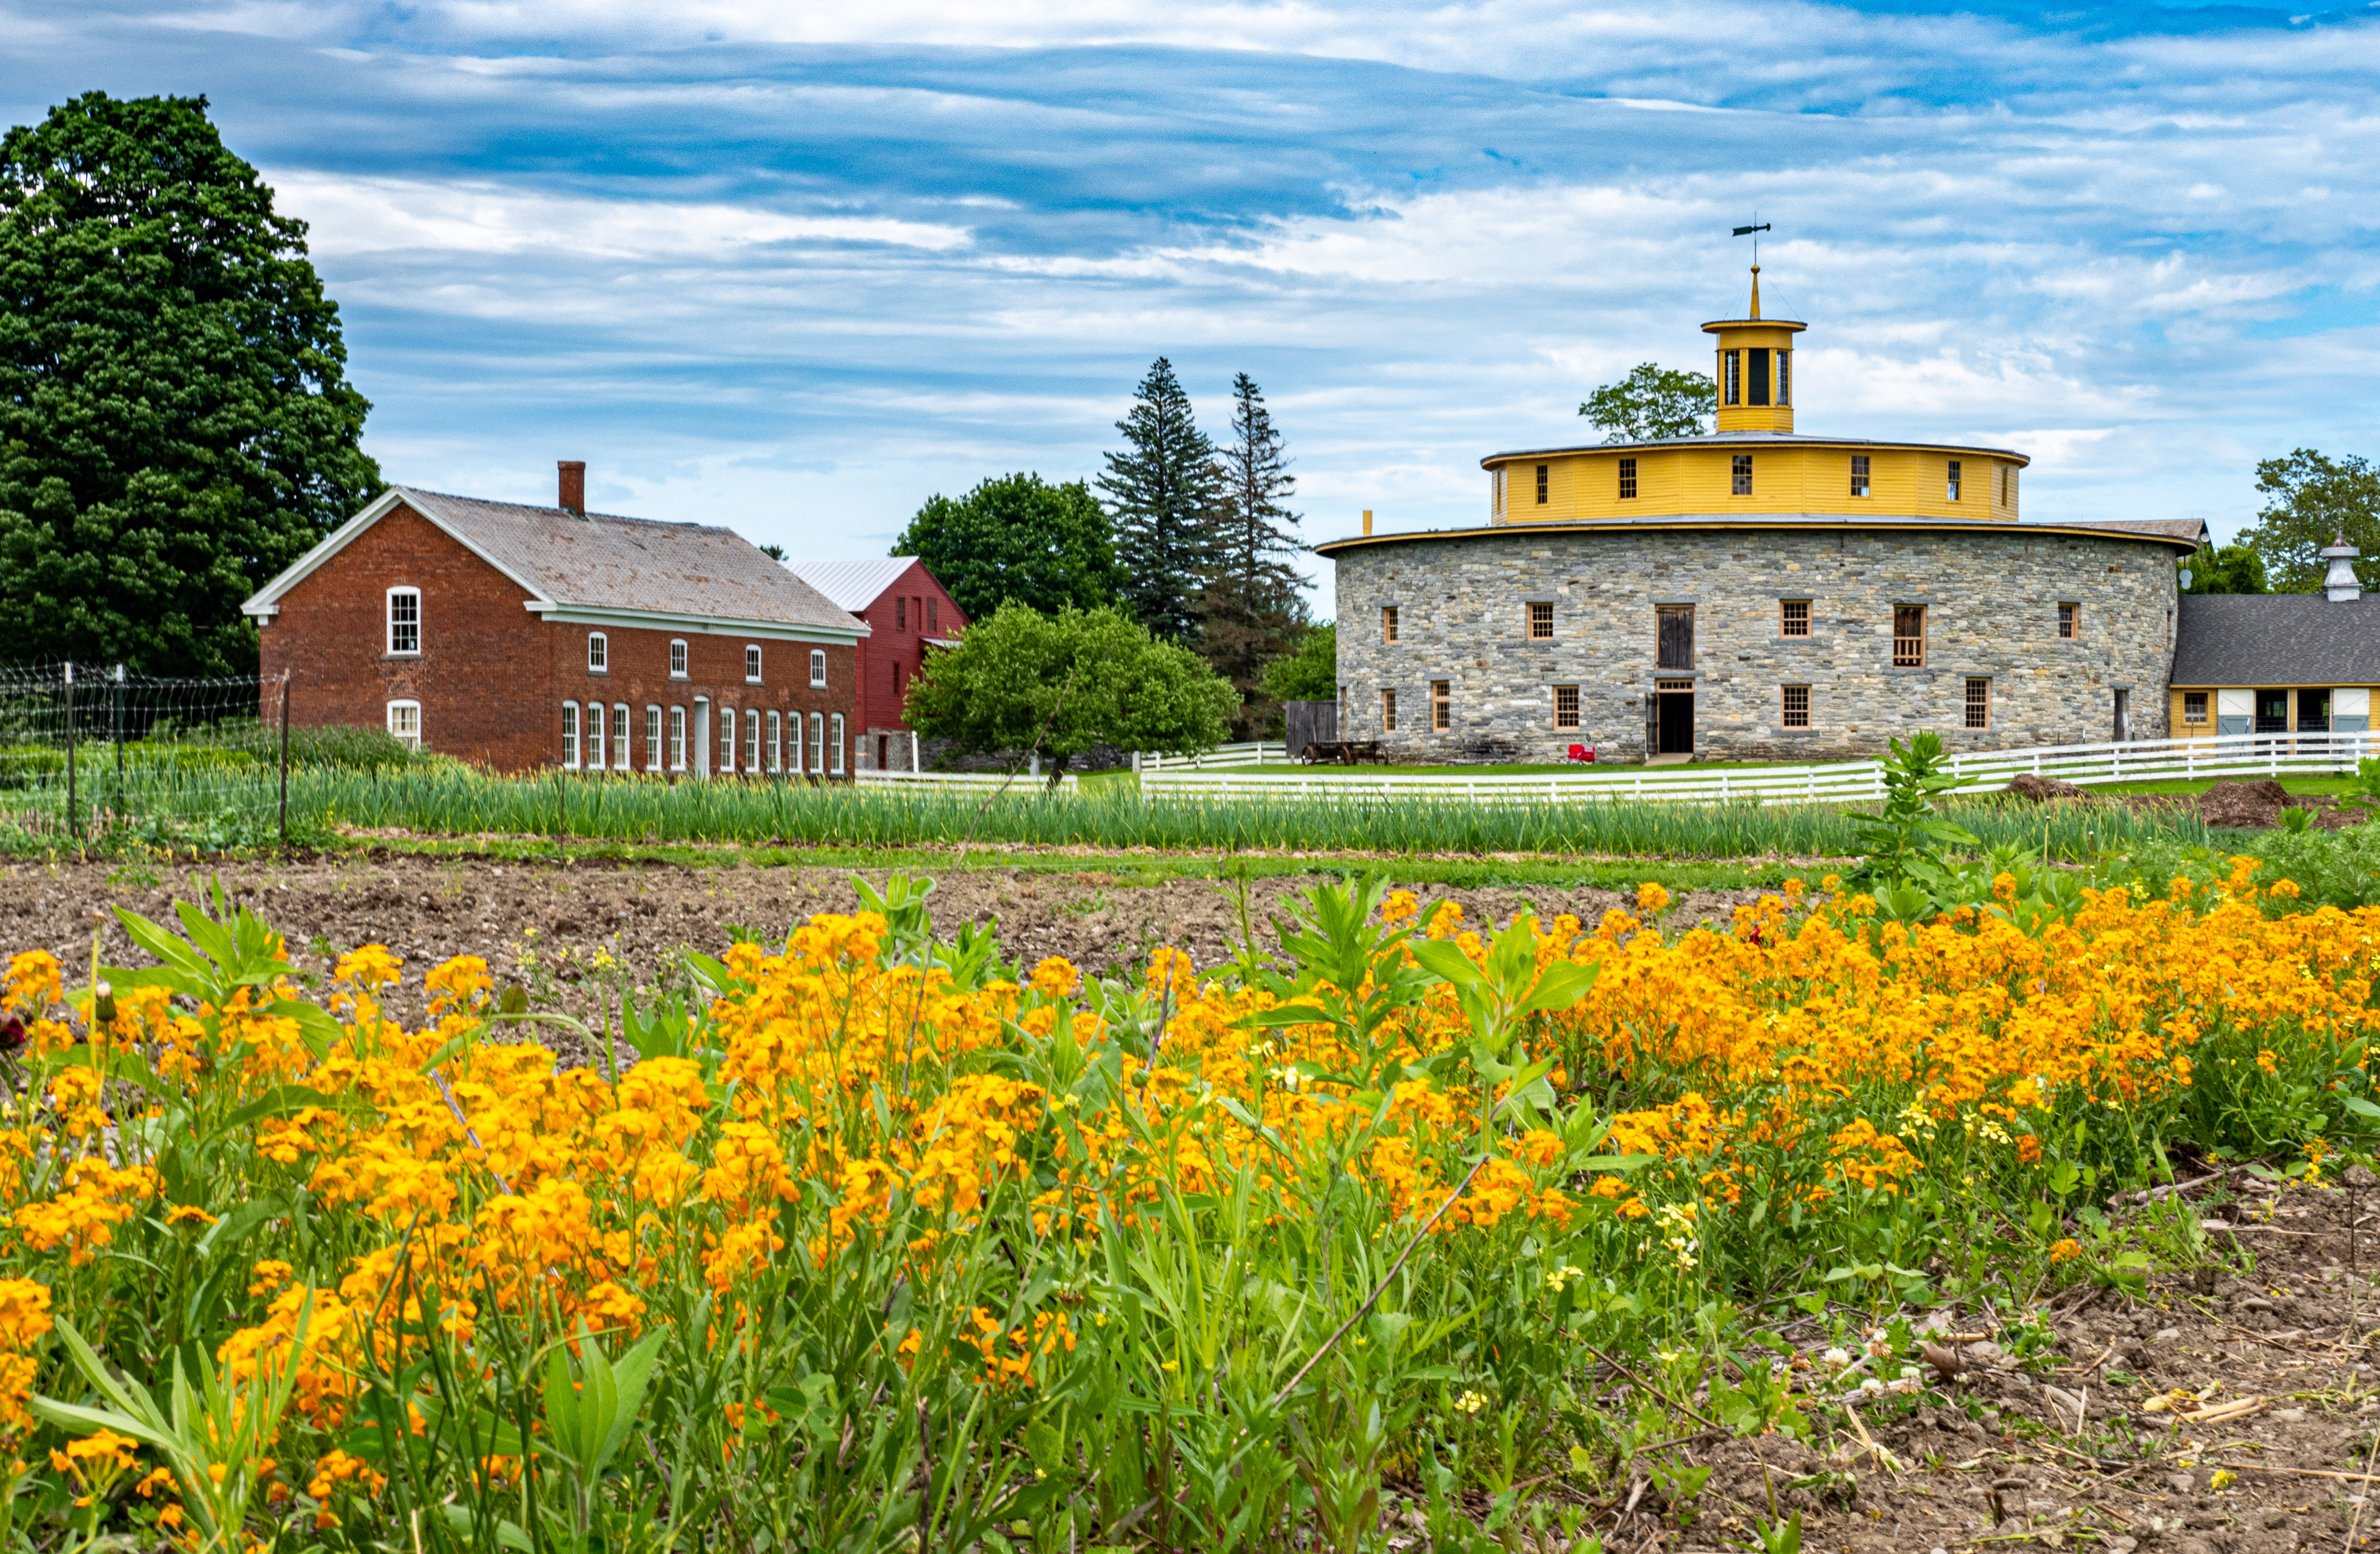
<point x="852" y="585"/>
<point x="605" y="562"/>
<point x="2194" y="530"/>
<point x="2252" y="639"/>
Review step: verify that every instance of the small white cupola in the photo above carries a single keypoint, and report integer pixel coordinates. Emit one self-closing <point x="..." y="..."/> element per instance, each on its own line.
<point x="2342" y="582"/>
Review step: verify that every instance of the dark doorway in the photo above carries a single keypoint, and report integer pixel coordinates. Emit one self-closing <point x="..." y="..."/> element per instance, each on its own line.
<point x="883" y="744"/>
<point x="2272" y="712"/>
<point x="2313" y="711"/>
<point x="1676" y="736"/>
<point x="2123" y="716"/>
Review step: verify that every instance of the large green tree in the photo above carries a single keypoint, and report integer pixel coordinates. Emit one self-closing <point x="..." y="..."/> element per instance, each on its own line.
<point x="1162" y="489"/>
<point x="175" y="421"/>
<point x="2309" y="500"/>
<point x="1309" y="672"/>
<point x="2232" y="569"/>
<point x="1022" y="682"/>
<point x="1651" y="403"/>
<point x="1016" y="539"/>
<point x="1250" y="609"/>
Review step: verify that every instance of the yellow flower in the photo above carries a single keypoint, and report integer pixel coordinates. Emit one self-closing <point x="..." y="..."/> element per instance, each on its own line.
<point x="2065" y="1251"/>
<point x="1651" y="898"/>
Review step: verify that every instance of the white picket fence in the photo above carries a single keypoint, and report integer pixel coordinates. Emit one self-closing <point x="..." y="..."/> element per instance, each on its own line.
<point x="2236" y="756"/>
<point x="968" y="781"/>
<point x="1252" y="753"/>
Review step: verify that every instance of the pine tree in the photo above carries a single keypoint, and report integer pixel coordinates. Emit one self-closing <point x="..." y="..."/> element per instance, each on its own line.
<point x="1162" y="490"/>
<point x="1249" y="609"/>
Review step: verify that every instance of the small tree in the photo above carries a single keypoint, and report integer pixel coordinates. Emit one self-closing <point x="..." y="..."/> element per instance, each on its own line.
<point x="1249" y="609"/>
<point x="1016" y="539"/>
<point x="1163" y="491"/>
<point x="1310" y="672"/>
<point x="2232" y="569"/>
<point x="1023" y="681"/>
<point x="2312" y="499"/>
<point x="1652" y="403"/>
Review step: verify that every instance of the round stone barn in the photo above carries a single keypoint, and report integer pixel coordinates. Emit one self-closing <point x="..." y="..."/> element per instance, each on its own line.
<point x="1753" y="594"/>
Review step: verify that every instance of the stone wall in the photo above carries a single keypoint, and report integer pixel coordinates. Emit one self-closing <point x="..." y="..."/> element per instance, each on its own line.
<point x="1991" y="597"/>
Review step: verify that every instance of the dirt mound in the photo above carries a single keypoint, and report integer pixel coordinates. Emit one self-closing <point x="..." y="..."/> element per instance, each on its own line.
<point x="2041" y="790"/>
<point x="2243" y="805"/>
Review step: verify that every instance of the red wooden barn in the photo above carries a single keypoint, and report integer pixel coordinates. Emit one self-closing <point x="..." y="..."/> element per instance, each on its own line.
<point x="524" y="638"/>
<point x="907" y="612"/>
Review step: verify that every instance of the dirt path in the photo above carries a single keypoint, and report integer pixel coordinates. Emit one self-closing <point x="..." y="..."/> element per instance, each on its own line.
<point x="539" y="924"/>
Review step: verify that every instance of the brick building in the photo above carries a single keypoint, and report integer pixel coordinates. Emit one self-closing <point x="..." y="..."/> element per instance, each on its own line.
<point x="525" y="637"/>
<point x="907" y="612"/>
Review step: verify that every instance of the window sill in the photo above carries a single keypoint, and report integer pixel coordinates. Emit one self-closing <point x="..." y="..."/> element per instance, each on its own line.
<point x="415" y="654"/>
<point x="604" y="672"/>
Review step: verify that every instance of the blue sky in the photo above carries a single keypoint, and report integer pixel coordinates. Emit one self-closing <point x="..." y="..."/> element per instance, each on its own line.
<point x="796" y="268"/>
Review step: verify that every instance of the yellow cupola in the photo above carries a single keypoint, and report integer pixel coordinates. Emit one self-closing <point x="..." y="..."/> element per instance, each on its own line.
<point x="1756" y="369"/>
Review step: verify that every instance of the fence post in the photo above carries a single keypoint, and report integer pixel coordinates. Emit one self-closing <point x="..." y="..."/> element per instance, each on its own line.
<point x="115" y="732"/>
<point x="285" y="760"/>
<point x="71" y="828"/>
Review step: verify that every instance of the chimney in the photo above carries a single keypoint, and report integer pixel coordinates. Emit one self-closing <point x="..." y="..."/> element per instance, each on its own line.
<point x="574" y="485"/>
<point x="2342" y="582"/>
<point x="1367" y="520"/>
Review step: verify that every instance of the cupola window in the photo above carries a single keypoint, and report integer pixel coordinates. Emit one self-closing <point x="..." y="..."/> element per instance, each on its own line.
<point x="1756" y="375"/>
<point x="1784" y="377"/>
<point x="1732" y="374"/>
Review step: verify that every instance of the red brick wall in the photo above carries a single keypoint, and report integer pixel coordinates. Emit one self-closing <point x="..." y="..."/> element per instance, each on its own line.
<point x="896" y="637"/>
<point x="492" y="677"/>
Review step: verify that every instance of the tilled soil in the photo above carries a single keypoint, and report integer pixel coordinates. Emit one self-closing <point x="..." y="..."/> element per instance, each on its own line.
<point x="542" y="924"/>
<point x="2059" y="1450"/>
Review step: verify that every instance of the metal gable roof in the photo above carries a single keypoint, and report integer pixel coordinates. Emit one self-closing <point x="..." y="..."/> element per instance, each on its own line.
<point x="852" y="585"/>
<point x="2249" y="639"/>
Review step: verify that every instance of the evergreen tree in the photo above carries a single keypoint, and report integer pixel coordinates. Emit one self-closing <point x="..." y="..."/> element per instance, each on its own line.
<point x="1249" y="611"/>
<point x="1163" y="491"/>
<point x="175" y="421"/>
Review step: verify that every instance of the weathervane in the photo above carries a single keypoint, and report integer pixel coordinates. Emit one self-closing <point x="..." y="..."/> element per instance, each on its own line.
<point x="1757" y="228"/>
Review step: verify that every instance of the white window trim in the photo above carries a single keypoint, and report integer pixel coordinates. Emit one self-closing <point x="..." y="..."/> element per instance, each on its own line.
<point x="593" y="736"/>
<point x="678" y="658"/>
<point x="752" y="741"/>
<point x="655" y="734"/>
<point x="623" y="723"/>
<point x="388" y="623"/>
<point x="677" y="738"/>
<point x="726" y="763"/>
<point x="776" y="742"/>
<point x="570" y="736"/>
<point x="412" y="741"/>
<point x="598" y="646"/>
<point x="752" y="663"/>
<point x="838" y="746"/>
<point x="795" y="748"/>
<point x="818" y="742"/>
<point x="818" y="669"/>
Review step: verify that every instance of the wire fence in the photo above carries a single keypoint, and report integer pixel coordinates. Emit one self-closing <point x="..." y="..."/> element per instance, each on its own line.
<point x="91" y="751"/>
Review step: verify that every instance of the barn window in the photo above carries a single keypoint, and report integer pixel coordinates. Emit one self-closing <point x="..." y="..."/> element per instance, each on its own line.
<point x="1796" y="709"/>
<point x="1566" y="707"/>
<point x="405" y="621"/>
<point x="1627" y="479"/>
<point x="2070" y="621"/>
<point x="1744" y="474"/>
<point x="1673" y="636"/>
<point x="404" y="723"/>
<point x="1387" y="711"/>
<point x="1954" y="480"/>
<point x="1908" y="635"/>
<point x="1979" y="703"/>
<point x="1441" y="706"/>
<point x="1388" y="622"/>
<point x="1541" y="621"/>
<point x="1541" y="485"/>
<point x="1859" y="475"/>
<point x="2194" y="707"/>
<point x="598" y="653"/>
<point x="1794" y="620"/>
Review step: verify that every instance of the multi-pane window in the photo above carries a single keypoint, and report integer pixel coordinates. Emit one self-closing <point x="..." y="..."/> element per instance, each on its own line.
<point x="570" y="733"/>
<point x="1541" y="621"/>
<point x="793" y="742"/>
<point x="776" y="742"/>
<point x="652" y="739"/>
<point x="1388" y="622"/>
<point x="726" y="740"/>
<point x="1979" y="703"/>
<point x="1744" y="474"/>
<point x="598" y="653"/>
<point x="752" y="662"/>
<point x="1953" y="482"/>
<point x="1908" y="635"/>
<point x="1541" y="485"/>
<point x="595" y="720"/>
<point x="2070" y="621"/>
<point x="1784" y="377"/>
<point x="1731" y="389"/>
<point x="404" y="723"/>
<point x="752" y="739"/>
<point x="1441" y="706"/>
<point x="1794" y="619"/>
<point x="1627" y="479"/>
<point x="838" y="744"/>
<point x="678" y="658"/>
<point x="677" y="739"/>
<point x="404" y="620"/>
<point x="818" y="669"/>
<point x="1859" y="475"/>
<point x="818" y="742"/>
<point x="2194" y="707"/>
<point x="1566" y="707"/>
<point x="1795" y="711"/>
<point x="1387" y="711"/>
<point x="620" y="739"/>
<point x="1673" y="636"/>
